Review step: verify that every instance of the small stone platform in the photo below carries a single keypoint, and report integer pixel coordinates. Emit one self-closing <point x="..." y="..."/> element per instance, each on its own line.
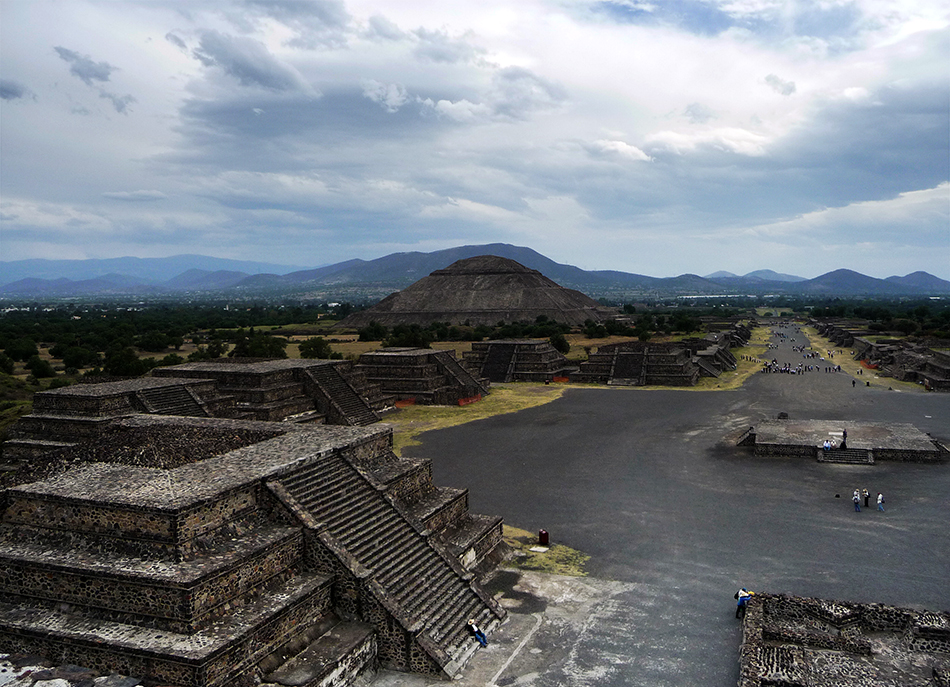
<point x="867" y="442"/>
<point x="793" y="641"/>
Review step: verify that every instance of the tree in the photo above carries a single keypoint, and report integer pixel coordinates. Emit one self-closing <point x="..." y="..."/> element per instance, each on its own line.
<point x="21" y="349"/>
<point x="122" y="362"/>
<point x="560" y="343"/>
<point x="408" y="336"/>
<point x="40" y="368"/>
<point x="153" y="341"/>
<point x="317" y="347"/>
<point x="259" y="346"/>
<point x="78" y="356"/>
<point x="6" y="364"/>
<point x="374" y="331"/>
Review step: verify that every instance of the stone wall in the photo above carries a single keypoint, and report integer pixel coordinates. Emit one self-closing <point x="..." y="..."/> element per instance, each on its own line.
<point x="783" y="636"/>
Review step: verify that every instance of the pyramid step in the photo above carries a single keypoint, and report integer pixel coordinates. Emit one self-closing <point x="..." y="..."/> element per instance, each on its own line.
<point x="338" y="657"/>
<point x="212" y="657"/>
<point x="441" y="583"/>
<point x="179" y="596"/>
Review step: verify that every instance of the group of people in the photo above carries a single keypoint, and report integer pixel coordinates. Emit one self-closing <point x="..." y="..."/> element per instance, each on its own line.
<point x="866" y="495"/>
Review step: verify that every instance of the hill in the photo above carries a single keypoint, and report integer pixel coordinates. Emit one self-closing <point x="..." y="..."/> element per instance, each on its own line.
<point x="371" y="280"/>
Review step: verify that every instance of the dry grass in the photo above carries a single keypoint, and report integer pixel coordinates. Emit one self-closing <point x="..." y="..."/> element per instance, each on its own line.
<point x="557" y="560"/>
<point x="409" y="423"/>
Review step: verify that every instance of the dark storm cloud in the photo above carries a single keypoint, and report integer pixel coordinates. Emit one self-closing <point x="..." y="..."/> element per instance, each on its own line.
<point x="247" y="60"/>
<point x="12" y="90"/>
<point x="896" y="140"/>
<point x="82" y="66"/>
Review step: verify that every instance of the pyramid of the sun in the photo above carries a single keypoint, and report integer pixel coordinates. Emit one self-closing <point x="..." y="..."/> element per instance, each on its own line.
<point x="482" y="290"/>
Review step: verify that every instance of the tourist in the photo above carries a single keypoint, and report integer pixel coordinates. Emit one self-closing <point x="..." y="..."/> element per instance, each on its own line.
<point x="742" y="597"/>
<point x="867" y="497"/>
<point x="477" y="633"/>
<point x="857" y="501"/>
<point x="880" y="501"/>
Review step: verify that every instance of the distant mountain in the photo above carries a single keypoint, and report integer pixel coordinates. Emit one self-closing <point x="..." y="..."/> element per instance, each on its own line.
<point x="203" y="280"/>
<point x="64" y="288"/>
<point x="921" y="280"/>
<point x="156" y="269"/>
<point x="769" y="275"/>
<point x="373" y="279"/>
<point x="849" y="283"/>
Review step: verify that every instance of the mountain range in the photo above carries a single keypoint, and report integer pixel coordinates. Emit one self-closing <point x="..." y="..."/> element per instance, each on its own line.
<point x="203" y="276"/>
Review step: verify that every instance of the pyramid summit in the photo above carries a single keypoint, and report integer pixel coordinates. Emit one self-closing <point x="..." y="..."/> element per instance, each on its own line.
<point x="485" y="289"/>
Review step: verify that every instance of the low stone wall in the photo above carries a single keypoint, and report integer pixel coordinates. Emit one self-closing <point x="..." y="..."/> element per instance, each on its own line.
<point x="779" y="632"/>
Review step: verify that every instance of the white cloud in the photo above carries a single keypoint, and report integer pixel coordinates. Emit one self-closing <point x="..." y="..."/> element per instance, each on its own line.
<point x="875" y="221"/>
<point x="620" y="149"/>
<point x="390" y="96"/>
<point x="730" y="140"/>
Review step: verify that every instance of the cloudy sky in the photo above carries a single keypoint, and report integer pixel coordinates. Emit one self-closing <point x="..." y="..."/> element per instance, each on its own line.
<point x="658" y="137"/>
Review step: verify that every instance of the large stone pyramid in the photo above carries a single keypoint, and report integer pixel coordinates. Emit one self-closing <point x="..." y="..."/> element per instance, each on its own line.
<point x="482" y="290"/>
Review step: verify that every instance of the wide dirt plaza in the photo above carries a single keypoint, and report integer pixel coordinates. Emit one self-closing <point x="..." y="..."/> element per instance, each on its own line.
<point x="675" y="518"/>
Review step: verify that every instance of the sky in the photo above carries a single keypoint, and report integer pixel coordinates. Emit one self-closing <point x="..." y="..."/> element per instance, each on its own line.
<point x="659" y="138"/>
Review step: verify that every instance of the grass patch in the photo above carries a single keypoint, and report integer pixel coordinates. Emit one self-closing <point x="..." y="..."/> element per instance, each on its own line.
<point x="409" y="423"/>
<point x="557" y="560"/>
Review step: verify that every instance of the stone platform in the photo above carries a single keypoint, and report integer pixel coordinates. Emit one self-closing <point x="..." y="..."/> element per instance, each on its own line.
<point x="794" y="641"/>
<point x="866" y="442"/>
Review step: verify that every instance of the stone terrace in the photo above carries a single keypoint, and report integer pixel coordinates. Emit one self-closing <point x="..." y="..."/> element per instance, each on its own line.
<point x="427" y="376"/>
<point x="323" y="390"/>
<point x="249" y="563"/>
<point x="867" y="441"/>
<point x="516" y="360"/>
<point x="794" y="642"/>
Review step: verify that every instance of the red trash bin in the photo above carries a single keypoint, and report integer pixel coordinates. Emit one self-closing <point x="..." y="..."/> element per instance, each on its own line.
<point x="543" y="537"/>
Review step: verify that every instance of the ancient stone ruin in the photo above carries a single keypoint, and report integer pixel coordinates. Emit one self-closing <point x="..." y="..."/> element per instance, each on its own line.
<point x="866" y="442"/>
<point x="483" y="290"/>
<point x="679" y="363"/>
<point x="795" y="642"/>
<point x="302" y="391"/>
<point x="902" y="360"/>
<point x="421" y="375"/>
<point x="516" y="360"/>
<point x="295" y="555"/>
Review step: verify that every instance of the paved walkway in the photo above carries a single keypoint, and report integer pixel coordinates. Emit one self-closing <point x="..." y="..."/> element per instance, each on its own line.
<point x="676" y="519"/>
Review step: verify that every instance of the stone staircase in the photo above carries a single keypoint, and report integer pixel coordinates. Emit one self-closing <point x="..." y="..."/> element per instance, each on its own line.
<point x="858" y="456"/>
<point x="498" y="362"/>
<point x="708" y="369"/>
<point x="349" y="405"/>
<point x="451" y="367"/>
<point x="433" y="595"/>
<point x="170" y="400"/>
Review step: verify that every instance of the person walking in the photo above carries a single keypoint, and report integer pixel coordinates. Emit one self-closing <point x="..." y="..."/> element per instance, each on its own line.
<point x="880" y="501"/>
<point x="867" y="497"/>
<point x="856" y="497"/>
